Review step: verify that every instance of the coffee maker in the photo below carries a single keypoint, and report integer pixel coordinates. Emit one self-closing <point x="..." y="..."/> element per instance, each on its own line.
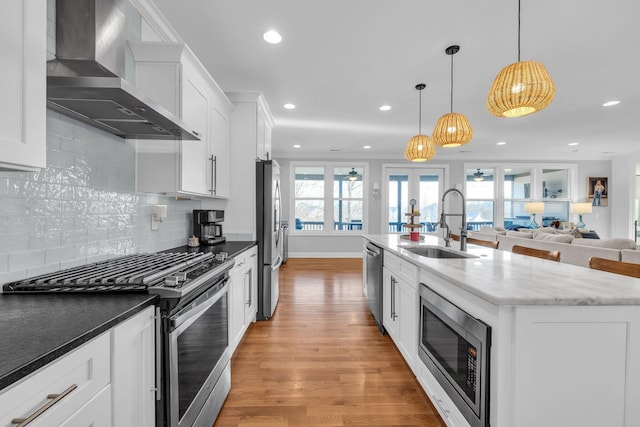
<point x="207" y="226"/>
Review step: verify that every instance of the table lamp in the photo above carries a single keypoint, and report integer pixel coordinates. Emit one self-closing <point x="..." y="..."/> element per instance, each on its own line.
<point x="534" y="208"/>
<point x="581" y="208"/>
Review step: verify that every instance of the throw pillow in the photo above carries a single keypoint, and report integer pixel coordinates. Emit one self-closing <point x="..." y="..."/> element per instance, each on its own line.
<point x="559" y="238"/>
<point x="520" y="234"/>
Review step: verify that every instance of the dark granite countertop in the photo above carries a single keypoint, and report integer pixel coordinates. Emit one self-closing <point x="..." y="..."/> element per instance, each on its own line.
<point x="39" y="328"/>
<point x="233" y="248"/>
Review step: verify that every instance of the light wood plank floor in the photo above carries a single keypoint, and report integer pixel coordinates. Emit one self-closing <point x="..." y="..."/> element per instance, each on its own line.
<point x="321" y="361"/>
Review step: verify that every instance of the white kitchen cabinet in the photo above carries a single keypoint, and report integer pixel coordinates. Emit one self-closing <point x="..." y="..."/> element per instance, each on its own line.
<point x="170" y="74"/>
<point x="243" y="294"/>
<point x="95" y="413"/>
<point x="23" y="115"/>
<point x="250" y="136"/>
<point x="400" y="306"/>
<point x="76" y="377"/>
<point x="108" y="381"/>
<point x="133" y="370"/>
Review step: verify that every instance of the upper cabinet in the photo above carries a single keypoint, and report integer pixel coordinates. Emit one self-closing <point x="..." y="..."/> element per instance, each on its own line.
<point x="170" y="74"/>
<point x="251" y="124"/>
<point x="23" y="143"/>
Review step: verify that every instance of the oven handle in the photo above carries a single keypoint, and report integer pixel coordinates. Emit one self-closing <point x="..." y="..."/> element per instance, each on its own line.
<point x="190" y="314"/>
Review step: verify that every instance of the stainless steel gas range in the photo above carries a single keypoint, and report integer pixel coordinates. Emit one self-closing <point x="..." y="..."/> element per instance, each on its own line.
<point x="192" y="348"/>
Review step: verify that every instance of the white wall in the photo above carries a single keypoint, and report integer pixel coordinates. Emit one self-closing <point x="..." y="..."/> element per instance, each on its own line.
<point x="622" y="191"/>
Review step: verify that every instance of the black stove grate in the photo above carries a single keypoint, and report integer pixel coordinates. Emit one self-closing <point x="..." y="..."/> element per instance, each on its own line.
<point x="128" y="273"/>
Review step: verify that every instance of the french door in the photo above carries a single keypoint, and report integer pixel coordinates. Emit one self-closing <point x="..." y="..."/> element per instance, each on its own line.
<point x="402" y="184"/>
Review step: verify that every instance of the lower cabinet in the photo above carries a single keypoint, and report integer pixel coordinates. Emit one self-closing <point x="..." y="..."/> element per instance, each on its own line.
<point x="400" y="314"/>
<point x="95" y="413"/>
<point x="243" y="294"/>
<point x="133" y="375"/>
<point x="105" y="382"/>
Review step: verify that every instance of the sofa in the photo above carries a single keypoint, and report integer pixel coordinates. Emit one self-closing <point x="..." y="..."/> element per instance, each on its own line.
<point x="572" y="247"/>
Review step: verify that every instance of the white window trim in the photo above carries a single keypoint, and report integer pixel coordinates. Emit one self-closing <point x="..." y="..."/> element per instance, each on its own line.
<point x="328" y="199"/>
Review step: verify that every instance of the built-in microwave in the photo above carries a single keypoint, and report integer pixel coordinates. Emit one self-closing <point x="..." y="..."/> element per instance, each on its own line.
<point x="455" y="348"/>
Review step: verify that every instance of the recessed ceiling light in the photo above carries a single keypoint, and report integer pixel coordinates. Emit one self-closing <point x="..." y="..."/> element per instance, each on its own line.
<point x="296" y="145"/>
<point x="289" y="106"/>
<point x="610" y="103"/>
<point x="574" y="143"/>
<point x="501" y="143"/>
<point x="366" y="147"/>
<point x="272" y="37"/>
<point x="385" y="108"/>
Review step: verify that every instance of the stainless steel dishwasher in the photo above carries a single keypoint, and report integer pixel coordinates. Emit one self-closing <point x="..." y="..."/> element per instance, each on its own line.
<point x="373" y="281"/>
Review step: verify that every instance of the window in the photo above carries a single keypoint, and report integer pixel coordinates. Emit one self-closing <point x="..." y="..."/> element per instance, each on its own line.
<point x="309" y="198"/>
<point x="499" y="194"/>
<point x="480" y="197"/>
<point x="321" y="189"/>
<point x="517" y="192"/>
<point x="425" y="185"/>
<point x="348" y="202"/>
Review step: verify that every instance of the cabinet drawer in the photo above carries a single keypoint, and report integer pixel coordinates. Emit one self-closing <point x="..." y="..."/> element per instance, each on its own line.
<point x="403" y="269"/>
<point x="88" y="367"/>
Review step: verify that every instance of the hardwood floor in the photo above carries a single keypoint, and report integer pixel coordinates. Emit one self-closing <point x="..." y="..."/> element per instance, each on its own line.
<point x="321" y="361"/>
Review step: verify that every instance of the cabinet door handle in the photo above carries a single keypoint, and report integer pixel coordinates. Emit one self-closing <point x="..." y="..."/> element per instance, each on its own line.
<point x="393" y="298"/>
<point x="55" y="398"/>
<point x="249" y="302"/>
<point x="214" y="173"/>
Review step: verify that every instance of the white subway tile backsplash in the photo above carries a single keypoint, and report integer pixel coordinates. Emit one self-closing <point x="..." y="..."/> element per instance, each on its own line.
<point x="25" y="259"/>
<point x="83" y="207"/>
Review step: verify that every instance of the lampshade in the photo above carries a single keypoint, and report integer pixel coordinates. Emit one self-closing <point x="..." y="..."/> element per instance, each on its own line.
<point x="520" y="88"/>
<point x="452" y="129"/>
<point x="478" y="176"/>
<point x="420" y="149"/>
<point x="581" y="208"/>
<point x="534" y="207"/>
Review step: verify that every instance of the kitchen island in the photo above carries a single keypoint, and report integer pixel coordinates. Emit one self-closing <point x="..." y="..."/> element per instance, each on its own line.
<point x="565" y="339"/>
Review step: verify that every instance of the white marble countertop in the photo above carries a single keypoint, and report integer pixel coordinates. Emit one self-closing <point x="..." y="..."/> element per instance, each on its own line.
<point x="503" y="278"/>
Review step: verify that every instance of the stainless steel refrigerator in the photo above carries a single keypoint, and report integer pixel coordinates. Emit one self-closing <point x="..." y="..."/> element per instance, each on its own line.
<point x="269" y="235"/>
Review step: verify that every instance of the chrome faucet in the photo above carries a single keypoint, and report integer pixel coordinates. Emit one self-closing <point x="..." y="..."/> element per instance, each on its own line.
<point x="443" y="222"/>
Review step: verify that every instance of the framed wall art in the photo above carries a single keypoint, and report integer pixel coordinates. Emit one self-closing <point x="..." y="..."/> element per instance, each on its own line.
<point x="598" y="190"/>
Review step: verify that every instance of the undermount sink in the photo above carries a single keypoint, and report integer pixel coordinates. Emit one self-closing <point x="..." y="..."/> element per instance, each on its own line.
<point x="438" y="252"/>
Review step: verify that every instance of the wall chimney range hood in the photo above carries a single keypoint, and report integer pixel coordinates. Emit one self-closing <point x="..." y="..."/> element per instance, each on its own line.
<point x="86" y="82"/>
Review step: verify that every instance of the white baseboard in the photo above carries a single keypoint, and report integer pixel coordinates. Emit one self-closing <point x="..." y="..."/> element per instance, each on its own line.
<point x="325" y="255"/>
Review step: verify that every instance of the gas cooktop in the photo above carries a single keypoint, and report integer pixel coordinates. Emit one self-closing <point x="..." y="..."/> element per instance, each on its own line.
<point x="165" y="274"/>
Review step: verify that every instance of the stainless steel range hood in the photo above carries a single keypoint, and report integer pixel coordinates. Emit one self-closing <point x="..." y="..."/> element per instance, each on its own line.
<point x="86" y="82"/>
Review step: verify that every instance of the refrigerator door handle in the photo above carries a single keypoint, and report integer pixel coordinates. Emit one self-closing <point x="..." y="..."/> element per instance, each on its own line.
<point x="276" y="265"/>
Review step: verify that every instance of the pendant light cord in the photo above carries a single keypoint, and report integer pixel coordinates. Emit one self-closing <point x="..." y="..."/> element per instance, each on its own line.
<point x="451" y="84"/>
<point x="518" y="30"/>
<point x="420" y="113"/>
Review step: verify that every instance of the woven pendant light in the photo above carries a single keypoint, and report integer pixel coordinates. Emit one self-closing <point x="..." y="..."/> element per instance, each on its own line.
<point x="420" y="148"/>
<point x="520" y="88"/>
<point x="452" y="129"/>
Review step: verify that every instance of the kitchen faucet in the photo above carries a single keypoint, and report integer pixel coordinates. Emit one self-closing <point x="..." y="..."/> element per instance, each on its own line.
<point x="443" y="222"/>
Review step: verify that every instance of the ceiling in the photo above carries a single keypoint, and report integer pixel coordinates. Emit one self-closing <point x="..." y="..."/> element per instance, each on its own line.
<point x="340" y="60"/>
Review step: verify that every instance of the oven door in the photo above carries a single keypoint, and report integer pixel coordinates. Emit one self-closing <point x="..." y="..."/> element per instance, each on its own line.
<point x="198" y="359"/>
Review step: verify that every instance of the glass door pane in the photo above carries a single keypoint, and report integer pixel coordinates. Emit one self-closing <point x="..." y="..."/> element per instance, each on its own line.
<point x="398" y="199"/>
<point x="430" y="192"/>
